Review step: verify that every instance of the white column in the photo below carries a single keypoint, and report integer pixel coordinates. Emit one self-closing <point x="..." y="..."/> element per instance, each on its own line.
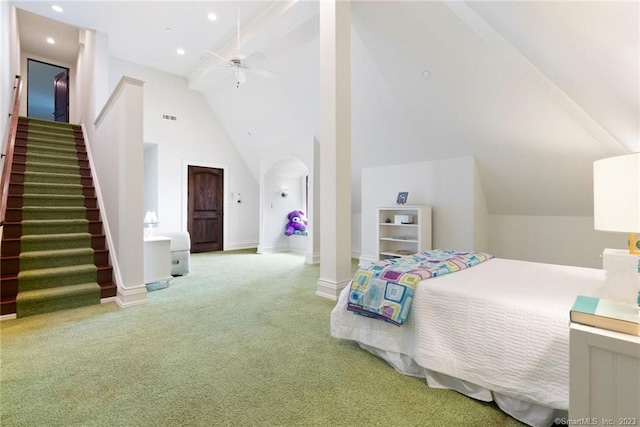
<point x="335" y="147"/>
<point x="313" y="252"/>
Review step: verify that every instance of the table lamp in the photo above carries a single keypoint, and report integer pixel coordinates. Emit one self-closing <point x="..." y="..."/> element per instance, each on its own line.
<point x="616" y="198"/>
<point x="150" y="223"/>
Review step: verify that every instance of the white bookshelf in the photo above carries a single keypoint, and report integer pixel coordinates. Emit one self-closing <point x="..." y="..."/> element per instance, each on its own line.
<point x="398" y="238"/>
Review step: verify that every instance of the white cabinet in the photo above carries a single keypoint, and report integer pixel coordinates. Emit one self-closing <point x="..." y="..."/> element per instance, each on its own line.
<point x="604" y="376"/>
<point x="403" y="230"/>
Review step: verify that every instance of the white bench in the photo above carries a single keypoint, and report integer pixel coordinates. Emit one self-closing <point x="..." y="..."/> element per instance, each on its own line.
<point x="180" y="251"/>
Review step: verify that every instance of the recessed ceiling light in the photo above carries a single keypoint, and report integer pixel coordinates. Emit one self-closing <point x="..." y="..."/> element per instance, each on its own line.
<point x="50" y="40"/>
<point x="57" y="8"/>
<point x="426" y="74"/>
<point x="212" y="17"/>
<point x="180" y="51"/>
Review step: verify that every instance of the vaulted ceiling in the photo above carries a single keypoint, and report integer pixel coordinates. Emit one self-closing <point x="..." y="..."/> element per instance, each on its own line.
<point x="535" y="91"/>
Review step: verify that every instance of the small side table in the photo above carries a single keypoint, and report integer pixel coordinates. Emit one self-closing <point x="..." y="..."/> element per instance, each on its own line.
<point x="604" y="376"/>
<point x="157" y="260"/>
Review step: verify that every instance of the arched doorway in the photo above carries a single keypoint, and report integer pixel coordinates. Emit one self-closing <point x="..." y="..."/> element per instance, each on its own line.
<point x="285" y="188"/>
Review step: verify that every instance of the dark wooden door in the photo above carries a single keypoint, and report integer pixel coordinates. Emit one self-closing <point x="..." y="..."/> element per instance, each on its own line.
<point x="61" y="97"/>
<point x="205" y="206"/>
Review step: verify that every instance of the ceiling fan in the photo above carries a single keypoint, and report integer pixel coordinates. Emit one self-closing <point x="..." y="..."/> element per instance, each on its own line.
<point x="241" y="64"/>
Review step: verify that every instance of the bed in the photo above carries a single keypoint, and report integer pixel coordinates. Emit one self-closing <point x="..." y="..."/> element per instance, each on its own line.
<point x="498" y="331"/>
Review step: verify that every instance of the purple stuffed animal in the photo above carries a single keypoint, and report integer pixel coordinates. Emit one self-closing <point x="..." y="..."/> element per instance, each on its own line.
<point x="297" y="222"/>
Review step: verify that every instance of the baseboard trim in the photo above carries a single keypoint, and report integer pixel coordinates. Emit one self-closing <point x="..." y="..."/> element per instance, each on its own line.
<point x="271" y="249"/>
<point x="8" y="316"/>
<point x="330" y="290"/>
<point x="130" y="297"/>
<point x="241" y="245"/>
<point x="313" y="258"/>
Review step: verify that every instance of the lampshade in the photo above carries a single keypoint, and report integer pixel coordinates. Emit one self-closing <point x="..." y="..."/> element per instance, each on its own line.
<point x="616" y="197"/>
<point x="616" y="194"/>
<point x="150" y="218"/>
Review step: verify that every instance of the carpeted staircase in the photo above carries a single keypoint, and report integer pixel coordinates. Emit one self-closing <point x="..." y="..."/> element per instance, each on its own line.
<point x="53" y="254"/>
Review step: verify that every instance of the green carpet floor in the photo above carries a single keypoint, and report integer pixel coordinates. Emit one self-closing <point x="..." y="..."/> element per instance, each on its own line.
<point x="225" y="345"/>
<point x="57" y="270"/>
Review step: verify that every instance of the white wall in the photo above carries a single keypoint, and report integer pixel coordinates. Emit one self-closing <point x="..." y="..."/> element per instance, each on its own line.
<point x="9" y="67"/>
<point x="5" y="70"/>
<point x="150" y="201"/>
<point x="196" y="136"/>
<point x="566" y="240"/>
<point x="92" y="86"/>
<point x="461" y="220"/>
<point x="446" y="185"/>
<point x="481" y="231"/>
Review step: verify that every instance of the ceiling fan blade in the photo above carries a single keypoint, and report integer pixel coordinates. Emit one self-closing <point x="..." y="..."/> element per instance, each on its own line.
<point x="217" y="55"/>
<point x="264" y="73"/>
<point x="217" y="67"/>
<point x="254" y="57"/>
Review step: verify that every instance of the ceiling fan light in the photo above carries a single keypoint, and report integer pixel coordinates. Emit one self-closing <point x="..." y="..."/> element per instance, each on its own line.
<point x="240" y="76"/>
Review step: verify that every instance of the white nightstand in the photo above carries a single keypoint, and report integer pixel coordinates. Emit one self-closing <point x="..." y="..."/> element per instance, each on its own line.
<point x="604" y="376"/>
<point x="157" y="259"/>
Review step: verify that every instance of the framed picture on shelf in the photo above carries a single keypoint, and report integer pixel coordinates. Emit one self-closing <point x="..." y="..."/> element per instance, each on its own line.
<point x="402" y="197"/>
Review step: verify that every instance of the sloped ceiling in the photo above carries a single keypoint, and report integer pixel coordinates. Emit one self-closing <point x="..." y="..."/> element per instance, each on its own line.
<point x="535" y="91"/>
<point x="535" y="129"/>
<point x="589" y="49"/>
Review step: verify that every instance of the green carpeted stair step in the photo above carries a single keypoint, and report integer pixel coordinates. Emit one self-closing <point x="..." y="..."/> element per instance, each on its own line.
<point x="57" y="178"/>
<point x="45" y="278"/>
<point x="55" y="258"/>
<point x="51" y="159"/>
<point x="43" y="139"/>
<point x="48" y="126"/>
<point x="50" y="137"/>
<point x="54" y="226"/>
<point x="58" y="149"/>
<point x="42" y="131"/>
<point x="43" y="242"/>
<point x="52" y="200"/>
<point x="51" y="188"/>
<point x="47" y="168"/>
<point x="47" y="212"/>
<point x="55" y="299"/>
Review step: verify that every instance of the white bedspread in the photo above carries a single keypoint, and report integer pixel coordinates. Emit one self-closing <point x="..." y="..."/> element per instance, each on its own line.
<point x="502" y="325"/>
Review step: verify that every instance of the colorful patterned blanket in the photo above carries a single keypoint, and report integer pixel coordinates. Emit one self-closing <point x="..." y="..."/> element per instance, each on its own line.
<point x="384" y="289"/>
